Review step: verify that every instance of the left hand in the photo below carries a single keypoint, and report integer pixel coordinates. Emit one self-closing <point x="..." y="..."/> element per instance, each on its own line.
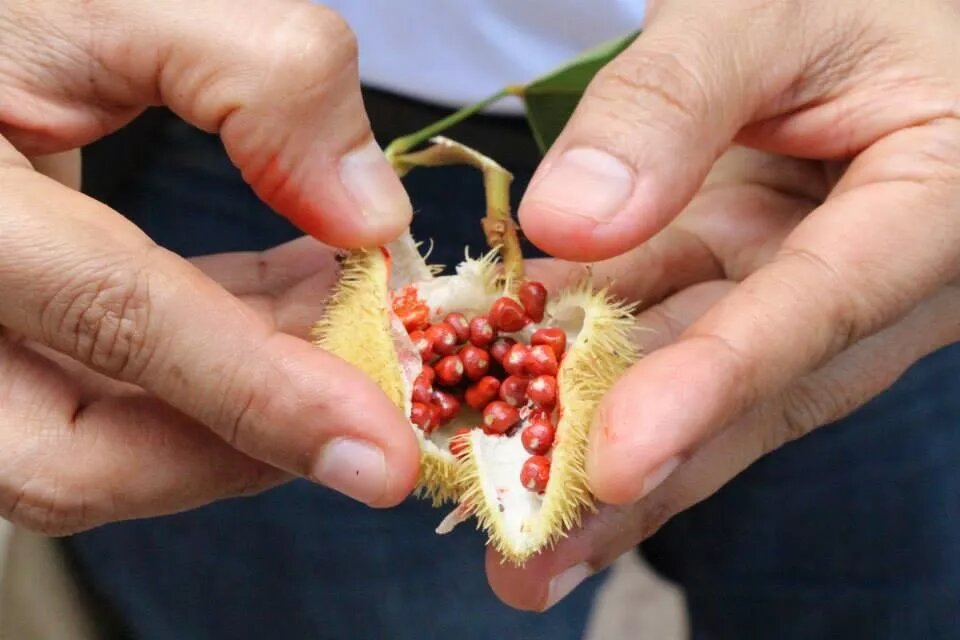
<point x="751" y="204"/>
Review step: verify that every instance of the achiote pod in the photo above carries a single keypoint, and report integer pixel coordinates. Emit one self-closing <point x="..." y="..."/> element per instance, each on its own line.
<point x="500" y="378"/>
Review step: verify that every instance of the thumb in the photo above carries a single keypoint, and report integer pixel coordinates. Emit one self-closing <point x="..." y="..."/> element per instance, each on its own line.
<point x="647" y="130"/>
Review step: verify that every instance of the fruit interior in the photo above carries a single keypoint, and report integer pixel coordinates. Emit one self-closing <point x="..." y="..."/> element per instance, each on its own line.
<point x="525" y="491"/>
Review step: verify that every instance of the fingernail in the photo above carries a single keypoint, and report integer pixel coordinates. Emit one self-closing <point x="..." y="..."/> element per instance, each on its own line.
<point x="352" y="467"/>
<point x="661" y="473"/>
<point x="372" y="183"/>
<point x="584" y="182"/>
<point x="563" y="584"/>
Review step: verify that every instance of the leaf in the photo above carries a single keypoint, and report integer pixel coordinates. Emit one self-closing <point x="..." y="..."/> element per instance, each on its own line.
<point x="551" y="99"/>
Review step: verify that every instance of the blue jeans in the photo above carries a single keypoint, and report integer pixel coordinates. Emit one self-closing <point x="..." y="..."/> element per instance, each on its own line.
<point x="852" y="532"/>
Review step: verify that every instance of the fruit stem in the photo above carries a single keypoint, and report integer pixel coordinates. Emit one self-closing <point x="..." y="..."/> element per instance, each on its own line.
<point x="498" y="225"/>
<point x="411" y="141"/>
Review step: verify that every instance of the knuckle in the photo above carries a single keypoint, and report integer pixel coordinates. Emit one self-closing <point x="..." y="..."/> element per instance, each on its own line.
<point x="103" y="321"/>
<point x="809" y="405"/>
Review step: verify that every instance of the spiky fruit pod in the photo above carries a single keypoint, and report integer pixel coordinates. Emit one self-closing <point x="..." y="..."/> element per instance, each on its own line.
<point x="392" y="316"/>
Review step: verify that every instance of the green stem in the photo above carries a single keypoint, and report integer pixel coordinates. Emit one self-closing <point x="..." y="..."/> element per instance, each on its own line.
<point x="411" y="141"/>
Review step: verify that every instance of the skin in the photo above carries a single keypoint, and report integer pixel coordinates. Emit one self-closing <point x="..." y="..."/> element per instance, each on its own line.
<point x="134" y="382"/>
<point x="792" y="279"/>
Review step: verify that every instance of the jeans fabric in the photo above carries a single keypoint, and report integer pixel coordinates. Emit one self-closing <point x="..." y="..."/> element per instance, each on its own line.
<point x="852" y="532"/>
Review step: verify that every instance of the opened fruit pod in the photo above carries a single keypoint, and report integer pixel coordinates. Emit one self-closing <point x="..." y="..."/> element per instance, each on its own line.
<point x="499" y="377"/>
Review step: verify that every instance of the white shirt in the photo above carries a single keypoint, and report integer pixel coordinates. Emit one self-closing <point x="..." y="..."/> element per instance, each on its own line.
<point x="454" y="52"/>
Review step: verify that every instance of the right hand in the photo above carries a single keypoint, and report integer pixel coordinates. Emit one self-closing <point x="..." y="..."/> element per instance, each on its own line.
<point x="132" y="383"/>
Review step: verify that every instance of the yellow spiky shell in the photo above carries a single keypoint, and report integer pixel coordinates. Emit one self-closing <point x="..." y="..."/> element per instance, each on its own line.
<point x="359" y="327"/>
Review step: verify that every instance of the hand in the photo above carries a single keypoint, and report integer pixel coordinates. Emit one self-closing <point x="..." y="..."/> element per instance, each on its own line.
<point x="131" y="382"/>
<point x="872" y="85"/>
<point x="751" y="204"/>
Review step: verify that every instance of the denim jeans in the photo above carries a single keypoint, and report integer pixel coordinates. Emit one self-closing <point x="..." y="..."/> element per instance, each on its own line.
<point x="852" y="532"/>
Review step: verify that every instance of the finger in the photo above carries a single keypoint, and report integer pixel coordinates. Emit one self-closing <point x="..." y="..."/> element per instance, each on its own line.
<point x="277" y="79"/>
<point x="80" y="279"/>
<point x="844" y="384"/>
<point x="72" y="463"/>
<point x="648" y="129"/>
<point x="853" y="266"/>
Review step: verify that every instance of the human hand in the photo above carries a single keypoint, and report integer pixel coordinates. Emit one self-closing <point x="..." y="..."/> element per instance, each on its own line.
<point x="869" y="83"/>
<point x="119" y="361"/>
<point x="751" y="204"/>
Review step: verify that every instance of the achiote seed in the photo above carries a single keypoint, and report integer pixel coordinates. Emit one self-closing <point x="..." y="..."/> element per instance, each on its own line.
<point x="542" y="360"/>
<point x="513" y="391"/>
<point x="482" y="332"/>
<point x="543" y="391"/>
<point x="422" y="389"/>
<point x="476" y="361"/>
<point x="515" y="362"/>
<point x="460" y="326"/>
<point x="507" y="315"/>
<point x="448" y="405"/>
<point x="500" y="348"/>
<point x="449" y="370"/>
<point x="443" y="338"/>
<point x="499" y="417"/>
<point x="420" y="415"/>
<point x="422" y="344"/>
<point x="533" y="296"/>
<point x="482" y="392"/>
<point x="537" y="438"/>
<point x="553" y="337"/>
<point x="535" y="473"/>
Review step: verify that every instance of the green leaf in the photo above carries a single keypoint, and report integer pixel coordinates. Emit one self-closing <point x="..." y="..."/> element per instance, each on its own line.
<point x="551" y="99"/>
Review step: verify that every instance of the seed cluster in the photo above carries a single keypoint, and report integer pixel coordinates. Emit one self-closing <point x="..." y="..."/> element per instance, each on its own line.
<point x="469" y="361"/>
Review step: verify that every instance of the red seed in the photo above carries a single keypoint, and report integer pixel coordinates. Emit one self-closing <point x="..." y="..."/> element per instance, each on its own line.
<point x="513" y="391"/>
<point x="429" y="373"/>
<point x="443" y="338"/>
<point x="449" y="406"/>
<point x="458" y="442"/>
<point x="422" y="389"/>
<point x="449" y="370"/>
<point x="541" y="360"/>
<point x="543" y="391"/>
<point x="476" y="361"/>
<point x="482" y="392"/>
<point x="460" y="325"/>
<point x="482" y="332"/>
<point x="420" y="415"/>
<point x="533" y="296"/>
<point x="415" y="318"/>
<point x="499" y="417"/>
<point x="515" y="362"/>
<point x="537" y="438"/>
<point x="500" y="347"/>
<point x="553" y="337"/>
<point x="422" y="344"/>
<point x="535" y="473"/>
<point x="435" y="419"/>
<point x="507" y="315"/>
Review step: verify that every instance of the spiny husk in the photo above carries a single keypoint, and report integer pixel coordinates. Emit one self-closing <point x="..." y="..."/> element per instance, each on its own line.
<point x="603" y="350"/>
<point x="356" y="325"/>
